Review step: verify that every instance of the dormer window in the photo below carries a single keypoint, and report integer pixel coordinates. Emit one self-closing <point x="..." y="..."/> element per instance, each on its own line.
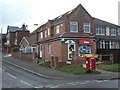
<point x="86" y="27"/>
<point x="113" y="32"/>
<point x="57" y="29"/>
<point x="73" y="26"/>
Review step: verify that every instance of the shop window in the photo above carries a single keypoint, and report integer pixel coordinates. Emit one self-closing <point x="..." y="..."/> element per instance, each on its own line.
<point x="84" y="49"/>
<point x="73" y="26"/>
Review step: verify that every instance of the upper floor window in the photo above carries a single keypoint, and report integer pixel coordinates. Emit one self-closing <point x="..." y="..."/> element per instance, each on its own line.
<point x="57" y="29"/>
<point x="49" y="48"/>
<point x="48" y="31"/>
<point x="86" y="27"/>
<point x="100" y="31"/>
<point x="113" y="32"/>
<point x="119" y="31"/>
<point x="73" y="26"/>
<point x="117" y="45"/>
<point x="41" y="35"/>
<point x="45" y="33"/>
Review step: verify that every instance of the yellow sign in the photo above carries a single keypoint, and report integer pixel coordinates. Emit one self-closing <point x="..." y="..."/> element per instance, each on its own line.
<point x="90" y="55"/>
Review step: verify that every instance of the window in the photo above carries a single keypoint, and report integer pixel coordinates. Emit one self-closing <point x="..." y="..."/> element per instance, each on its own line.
<point x="73" y="26"/>
<point x="49" y="48"/>
<point x="48" y="31"/>
<point x="84" y="49"/>
<point x="117" y="45"/>
<point x="119" y="31"/>
<point x="113" y="32"/>
<point x="41" y="35"/>
<point x="45" y="33"/>
<point x="57" y="29"/>
<point x="106" y="44"/>
<point x="100" y="31"/>
<point x="86" y="27"/>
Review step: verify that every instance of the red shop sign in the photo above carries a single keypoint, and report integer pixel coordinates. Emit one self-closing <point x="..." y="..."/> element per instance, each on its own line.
<point x="86" y="42"/>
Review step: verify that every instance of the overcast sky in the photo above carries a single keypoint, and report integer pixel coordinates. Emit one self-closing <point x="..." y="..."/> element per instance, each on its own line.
<point x="17" y="12"/>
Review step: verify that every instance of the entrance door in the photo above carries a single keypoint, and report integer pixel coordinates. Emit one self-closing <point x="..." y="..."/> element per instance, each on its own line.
<point x="40" y="50"/>
<point x="71" y="48"/>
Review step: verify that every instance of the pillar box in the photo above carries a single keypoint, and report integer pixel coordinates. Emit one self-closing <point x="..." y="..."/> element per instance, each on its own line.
<point x="90" y="63"/>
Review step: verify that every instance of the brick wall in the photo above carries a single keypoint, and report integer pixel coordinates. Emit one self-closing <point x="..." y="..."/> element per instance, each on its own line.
<point x="20" y="35"/>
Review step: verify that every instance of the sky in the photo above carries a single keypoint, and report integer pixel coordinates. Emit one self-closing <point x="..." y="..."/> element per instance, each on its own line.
<point x="30" y="12"/>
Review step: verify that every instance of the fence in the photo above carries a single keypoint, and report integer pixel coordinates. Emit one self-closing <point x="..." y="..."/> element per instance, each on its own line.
<point x="104" y="52"/>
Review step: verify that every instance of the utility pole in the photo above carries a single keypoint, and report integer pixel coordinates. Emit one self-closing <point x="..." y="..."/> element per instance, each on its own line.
<point x="119" y="13"/>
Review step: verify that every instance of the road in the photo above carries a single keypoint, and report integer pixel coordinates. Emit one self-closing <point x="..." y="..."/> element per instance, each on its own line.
<point x="13" y="77"/>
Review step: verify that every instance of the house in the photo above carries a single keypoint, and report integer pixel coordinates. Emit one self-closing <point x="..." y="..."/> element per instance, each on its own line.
<point x="71" y="32"/>
<point x="108" y="39"/>
<point x="14" y="36"/>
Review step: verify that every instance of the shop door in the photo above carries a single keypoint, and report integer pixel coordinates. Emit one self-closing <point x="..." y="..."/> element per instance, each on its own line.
<point x="40" y="50"/>
<point x="71" y="48"/>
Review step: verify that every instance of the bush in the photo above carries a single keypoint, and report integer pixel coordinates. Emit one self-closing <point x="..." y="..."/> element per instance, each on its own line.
<point x="15" y="49"/>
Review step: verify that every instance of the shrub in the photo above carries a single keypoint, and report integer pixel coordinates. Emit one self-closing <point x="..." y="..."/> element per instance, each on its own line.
<point x="15" y="49"/>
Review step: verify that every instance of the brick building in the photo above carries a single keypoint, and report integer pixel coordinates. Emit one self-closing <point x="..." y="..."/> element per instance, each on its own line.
<point x="14" y="36"/>
<point x="108" y="39"/>
<point x="71" y="32"/>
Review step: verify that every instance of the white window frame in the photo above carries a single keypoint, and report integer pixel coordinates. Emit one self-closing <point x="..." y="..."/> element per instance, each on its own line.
<point x="41" y="34"/>
<point x="68" y="50"/>
<point x="48" y="31"/>
<point x="110" y="43"/>
<point x="57" y="29"/>
<point x="45" y="33"/>
<point x="49" y="48"/>
<point x="113" y="31"/>
<point x="100" y="31"/>
<point x="89" y="25"/>
<point x="75" y="24"/>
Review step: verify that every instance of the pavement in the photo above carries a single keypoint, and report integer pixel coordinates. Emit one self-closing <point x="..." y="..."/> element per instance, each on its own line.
<point x="51" y="73"/>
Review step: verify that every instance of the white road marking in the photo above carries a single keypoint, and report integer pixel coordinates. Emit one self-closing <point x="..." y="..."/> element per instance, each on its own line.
<point x="11" y="75"/>
<point x="99" y="81"/>
<point x="71" y="84"/>
<point x="1" y="69"/>
<point x="77" y="82"/>
<point x="25" y="83"/>
<point x="87" y="81"/>
<point x="105" y="80"/>
<point x="54" y="87"/>
<point x="39" y="87"/>
<point x="49" y="85"/>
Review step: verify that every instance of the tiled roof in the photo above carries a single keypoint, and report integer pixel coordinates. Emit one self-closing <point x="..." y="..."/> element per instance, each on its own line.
<point x="103" y="23"/>
<point x="13" y="29"/>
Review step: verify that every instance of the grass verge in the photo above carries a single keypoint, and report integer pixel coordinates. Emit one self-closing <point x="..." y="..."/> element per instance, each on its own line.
<point x="46" y="64"/>
<point x="71" y="69"/>
<point x="110" y="67"/>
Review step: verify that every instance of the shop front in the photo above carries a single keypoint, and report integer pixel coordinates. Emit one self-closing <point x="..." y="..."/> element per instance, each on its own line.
<point x="79" y="47"/>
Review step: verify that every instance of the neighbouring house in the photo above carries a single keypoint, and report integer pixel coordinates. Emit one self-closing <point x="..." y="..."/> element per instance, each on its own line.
<point x="71" y="32"/>
<point x="15" y="35"/>
<point x="108" y="40"/>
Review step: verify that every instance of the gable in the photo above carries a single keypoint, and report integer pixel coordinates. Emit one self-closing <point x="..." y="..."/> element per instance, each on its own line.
<point x="24" y="42"/>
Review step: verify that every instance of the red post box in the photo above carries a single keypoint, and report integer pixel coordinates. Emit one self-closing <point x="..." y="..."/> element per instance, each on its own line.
<point x="90" y="63"/>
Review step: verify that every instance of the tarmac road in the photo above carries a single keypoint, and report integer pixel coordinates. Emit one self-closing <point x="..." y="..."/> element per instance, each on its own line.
<point x="13" y="77"/>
